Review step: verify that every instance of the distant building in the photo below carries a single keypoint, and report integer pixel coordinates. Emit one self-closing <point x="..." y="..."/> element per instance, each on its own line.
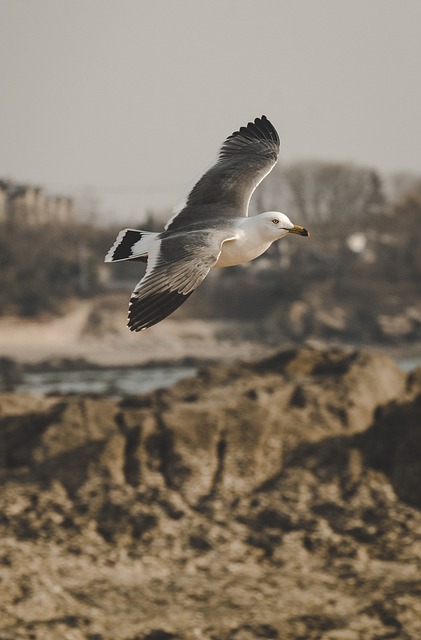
<point x="28" y="205"/>
<point x="60" y="209"/>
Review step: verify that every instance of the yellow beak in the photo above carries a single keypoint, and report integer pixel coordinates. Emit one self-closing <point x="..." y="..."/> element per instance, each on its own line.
<point x="300" y="231"/>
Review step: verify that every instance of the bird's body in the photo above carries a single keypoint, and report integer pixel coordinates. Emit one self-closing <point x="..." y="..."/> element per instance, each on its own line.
<point x="210" y="229"/>
<point x="241" y="250"/>
<point x="247" y="244"/>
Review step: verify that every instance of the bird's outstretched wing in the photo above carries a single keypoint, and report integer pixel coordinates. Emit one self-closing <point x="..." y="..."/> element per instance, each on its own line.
<point x="176" y="266"/>
<point x="225" y="189"/>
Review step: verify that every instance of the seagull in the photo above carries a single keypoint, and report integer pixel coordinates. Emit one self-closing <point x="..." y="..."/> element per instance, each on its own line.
<point x="209" y="228"/>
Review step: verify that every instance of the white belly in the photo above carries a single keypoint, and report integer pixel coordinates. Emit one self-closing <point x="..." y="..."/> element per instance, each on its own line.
<point x="241" y="250"/>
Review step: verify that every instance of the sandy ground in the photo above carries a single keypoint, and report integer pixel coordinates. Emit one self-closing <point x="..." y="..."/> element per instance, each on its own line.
<point x="96" y="331"/>
<point x="74" y="335"/>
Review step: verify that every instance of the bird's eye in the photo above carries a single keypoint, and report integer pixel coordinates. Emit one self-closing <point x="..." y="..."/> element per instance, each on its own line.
<point x="275" y="221"/>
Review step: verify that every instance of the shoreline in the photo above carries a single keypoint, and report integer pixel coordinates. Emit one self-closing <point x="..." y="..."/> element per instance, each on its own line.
<point x="73" y="337"/>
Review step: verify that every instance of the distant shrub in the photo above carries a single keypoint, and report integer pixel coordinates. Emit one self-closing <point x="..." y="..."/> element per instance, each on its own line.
<point x="44" y="265"/>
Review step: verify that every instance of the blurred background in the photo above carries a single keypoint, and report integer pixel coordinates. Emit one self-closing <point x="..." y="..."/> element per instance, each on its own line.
<point x="110" y="110"/>
<point x="272" y="490"/>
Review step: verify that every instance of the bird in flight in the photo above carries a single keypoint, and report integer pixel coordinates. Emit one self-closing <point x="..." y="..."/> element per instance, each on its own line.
<point x="209" y="229"/>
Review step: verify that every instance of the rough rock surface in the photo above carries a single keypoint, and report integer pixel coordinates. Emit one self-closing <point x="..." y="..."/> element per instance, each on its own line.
<point x="274" y="500"/>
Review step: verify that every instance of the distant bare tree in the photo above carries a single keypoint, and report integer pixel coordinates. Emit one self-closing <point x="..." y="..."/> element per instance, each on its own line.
<point x="403" y="183"/>
<point x="321" y="191"/>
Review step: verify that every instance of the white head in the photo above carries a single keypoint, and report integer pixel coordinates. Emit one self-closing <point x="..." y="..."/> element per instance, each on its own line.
<point x="275" y="224"/>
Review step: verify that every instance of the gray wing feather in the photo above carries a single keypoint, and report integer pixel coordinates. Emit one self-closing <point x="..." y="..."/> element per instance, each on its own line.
<point x="181" y="262"/>
<point x="225" y="189"/>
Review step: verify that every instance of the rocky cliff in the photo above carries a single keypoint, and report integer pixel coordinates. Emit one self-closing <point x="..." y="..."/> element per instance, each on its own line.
<point x="279" y="499"/>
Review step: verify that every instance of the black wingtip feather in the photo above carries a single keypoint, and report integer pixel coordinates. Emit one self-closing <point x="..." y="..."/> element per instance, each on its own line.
<point x="261" y="128"/>
<point x="147" y="312"/>
<point x="264" y="124"/>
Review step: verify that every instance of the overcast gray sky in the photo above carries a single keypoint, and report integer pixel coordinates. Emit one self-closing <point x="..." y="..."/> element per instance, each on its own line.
<point x="133" y="97"/>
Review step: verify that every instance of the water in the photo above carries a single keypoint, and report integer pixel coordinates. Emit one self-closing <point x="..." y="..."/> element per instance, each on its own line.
<point x="121" y="381"/>
<point x="114" y="382"/>
<point x="408" y="364"/>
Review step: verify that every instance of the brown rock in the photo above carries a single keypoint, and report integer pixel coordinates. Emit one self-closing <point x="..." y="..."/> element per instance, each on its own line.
<point x="274" y="500"/>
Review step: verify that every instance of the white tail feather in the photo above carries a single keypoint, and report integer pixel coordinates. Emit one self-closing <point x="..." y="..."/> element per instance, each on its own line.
<point x="130" y="244"/>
